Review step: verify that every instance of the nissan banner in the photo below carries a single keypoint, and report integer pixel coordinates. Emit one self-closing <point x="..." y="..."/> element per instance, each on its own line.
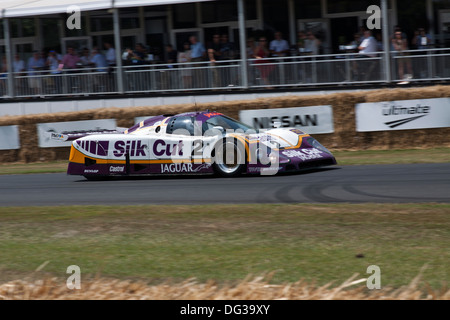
<point x="313" y="120"/>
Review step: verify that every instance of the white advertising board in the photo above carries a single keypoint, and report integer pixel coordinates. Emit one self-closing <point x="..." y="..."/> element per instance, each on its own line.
<point x="315" y="119"/>
<point x="44" y="130"/>
<point x="9" y="138"/>
<point x="403" y="115"/>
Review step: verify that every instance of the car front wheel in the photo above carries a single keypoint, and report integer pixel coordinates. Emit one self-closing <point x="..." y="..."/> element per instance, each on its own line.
<point x="229" y="158"/>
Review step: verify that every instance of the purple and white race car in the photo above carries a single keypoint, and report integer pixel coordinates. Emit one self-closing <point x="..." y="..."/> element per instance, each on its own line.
<point x="193" y="142"/>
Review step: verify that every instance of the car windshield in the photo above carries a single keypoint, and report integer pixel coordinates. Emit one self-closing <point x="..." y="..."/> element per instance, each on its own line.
<point x="226" y="123"/>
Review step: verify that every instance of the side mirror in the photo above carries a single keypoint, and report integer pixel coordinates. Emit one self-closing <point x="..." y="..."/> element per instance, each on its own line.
<point x="220" y="128"/>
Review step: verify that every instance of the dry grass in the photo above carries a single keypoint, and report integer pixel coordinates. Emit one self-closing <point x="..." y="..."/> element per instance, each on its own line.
<point x="251" y="288"/>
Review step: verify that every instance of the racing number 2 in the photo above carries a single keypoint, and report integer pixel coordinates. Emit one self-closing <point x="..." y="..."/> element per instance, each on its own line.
<point x="197" y="148"/>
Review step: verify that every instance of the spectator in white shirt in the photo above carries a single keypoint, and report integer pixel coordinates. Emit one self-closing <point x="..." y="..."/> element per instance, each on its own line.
<point x="312" y="44"/>
<point x="366" y="69"/>
<point x="368" y="45"/>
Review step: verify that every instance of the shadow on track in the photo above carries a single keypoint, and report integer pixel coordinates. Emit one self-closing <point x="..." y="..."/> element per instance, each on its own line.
<point x="157" y="177"/>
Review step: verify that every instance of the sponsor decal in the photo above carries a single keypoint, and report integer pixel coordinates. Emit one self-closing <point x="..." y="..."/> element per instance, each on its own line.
<point x="160" y="148"/>
<point x="254" y="169"/>
<point x="305" y="154"/>
<point x="262" y="138"/>
<point x="211" y="114"/>
<point x="116" y="169"/>
<point x="183" y="167"/>
<point x="90" y="170"/>
<point x="202" y="167"/>
<point x="134" y="148"/>
<point x="176" y="167"/>
<point x="286" y="121"/>
<point x="57" y="136"/>
<point x="297" y="131"/>
<point x="264" y="170"/>
<point x="270" y="170"/>
<point x="399" y="110"/>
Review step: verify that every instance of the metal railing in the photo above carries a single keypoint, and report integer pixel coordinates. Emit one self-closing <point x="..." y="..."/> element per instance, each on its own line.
<point x="182" y="76"/>
<point x="294" y="71"/>
<point x="83" y="81"/>
<point x="420" y="65"/>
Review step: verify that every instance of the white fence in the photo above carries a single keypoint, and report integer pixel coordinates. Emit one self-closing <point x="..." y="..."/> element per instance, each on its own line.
<point x="296" y="71"/>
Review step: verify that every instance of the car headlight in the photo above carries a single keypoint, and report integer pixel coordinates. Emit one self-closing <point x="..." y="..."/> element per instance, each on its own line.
<point x="273" y="158"/>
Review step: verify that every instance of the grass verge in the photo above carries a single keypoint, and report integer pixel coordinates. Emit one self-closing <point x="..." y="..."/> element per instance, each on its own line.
<point x="436" y="155"/>
<point x="321" y="243"/>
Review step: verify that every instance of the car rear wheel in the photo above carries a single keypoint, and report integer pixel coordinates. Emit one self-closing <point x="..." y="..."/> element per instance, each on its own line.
<point x="229" y="158"/>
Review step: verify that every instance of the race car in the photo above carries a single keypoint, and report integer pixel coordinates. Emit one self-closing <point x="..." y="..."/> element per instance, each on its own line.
<point x="195" y="142"/>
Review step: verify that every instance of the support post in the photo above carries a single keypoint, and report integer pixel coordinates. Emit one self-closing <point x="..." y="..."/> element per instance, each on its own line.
<point x="291" y="13"/>
<point x="8" y="53"/>
<point x="118" y="49"/>
<point x="386" y="42"/>
<point x="430" y="20"/>
<point x="243" y="43"/>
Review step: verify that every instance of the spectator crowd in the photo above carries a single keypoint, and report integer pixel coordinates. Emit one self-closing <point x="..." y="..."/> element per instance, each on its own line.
<point x="44" y="69"/>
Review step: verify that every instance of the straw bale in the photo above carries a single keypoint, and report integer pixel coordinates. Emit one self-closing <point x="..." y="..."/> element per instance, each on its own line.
<point x="345" y="136"/>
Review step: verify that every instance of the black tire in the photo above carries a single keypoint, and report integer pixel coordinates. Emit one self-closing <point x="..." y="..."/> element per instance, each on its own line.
<point x="229" y="167"/>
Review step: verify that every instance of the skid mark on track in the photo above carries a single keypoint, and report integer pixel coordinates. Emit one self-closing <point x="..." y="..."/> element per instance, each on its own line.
<point x="353" y="190"/>
<point x="316" y="194"/>
<point x="282" y="194"/>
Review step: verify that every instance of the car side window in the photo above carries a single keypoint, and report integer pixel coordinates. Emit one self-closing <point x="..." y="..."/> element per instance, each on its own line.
<point x="213" y="122"/>
<point x="183" y="125"/>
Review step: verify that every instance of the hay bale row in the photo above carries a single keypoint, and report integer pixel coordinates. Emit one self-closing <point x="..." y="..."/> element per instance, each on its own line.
<point x="345" y="136"/>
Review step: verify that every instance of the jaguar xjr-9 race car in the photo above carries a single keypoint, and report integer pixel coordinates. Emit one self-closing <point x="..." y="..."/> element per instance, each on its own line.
<point x="194" y="142"/>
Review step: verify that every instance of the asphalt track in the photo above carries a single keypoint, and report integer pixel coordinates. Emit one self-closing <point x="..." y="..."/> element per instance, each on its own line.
<point x="410" y="183"/>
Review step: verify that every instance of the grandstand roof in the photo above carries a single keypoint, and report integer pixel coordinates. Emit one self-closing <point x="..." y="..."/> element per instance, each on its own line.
<point x="23" y="8"/>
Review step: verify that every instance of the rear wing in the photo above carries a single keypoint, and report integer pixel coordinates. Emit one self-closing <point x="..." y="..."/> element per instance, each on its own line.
<point x="73" y="135"/>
